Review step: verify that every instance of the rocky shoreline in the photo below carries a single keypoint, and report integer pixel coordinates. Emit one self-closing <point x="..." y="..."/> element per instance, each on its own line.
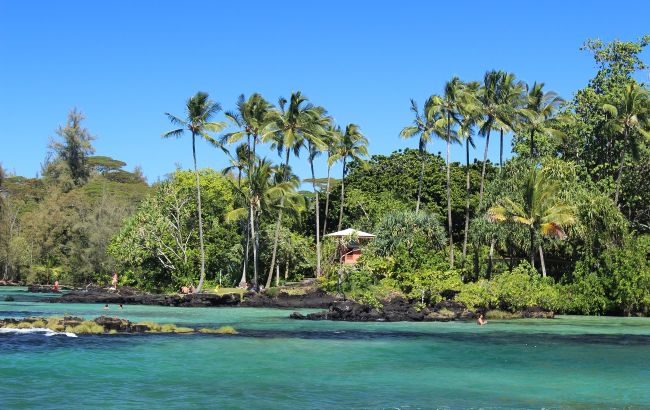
<point x="335" y="308"/>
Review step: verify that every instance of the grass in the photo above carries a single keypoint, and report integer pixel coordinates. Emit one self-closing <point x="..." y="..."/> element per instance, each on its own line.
<point x="223" y="330"/>
<point x="87" y="327"/>
<point x="227" y="291"/>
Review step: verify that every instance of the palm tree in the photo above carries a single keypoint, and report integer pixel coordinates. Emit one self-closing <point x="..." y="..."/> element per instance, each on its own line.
<point x="450" y="108"/>
<point x="353" y="145"/>
<point x="332" y="139"/>
<point x="297" y="123"/>
<point x="510" y="100"/>
<point x="255" y="118"/>
<point x="539" y="114"/>
<point x="629" y="119"/>
<point x="199" y="110"/>
<point x="239" y="162"/>
<point x="487" y="97"/>
<point x="471" y="115"/>
<point x="423" y="126"/>
<point x="540" y="208"/>
<point x="266" y="190"/>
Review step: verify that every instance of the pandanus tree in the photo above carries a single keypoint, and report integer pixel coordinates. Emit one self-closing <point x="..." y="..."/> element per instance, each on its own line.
<point x="298" y="123"/>
<point x="628" y="119"/>
<point x="353" y="145"/>
<point x="540" y="114"/>
<point x="199" y="112"/>
<point x="424" y="127"/>
<point x="255" y="118"/>
<point x="540" y="208"/>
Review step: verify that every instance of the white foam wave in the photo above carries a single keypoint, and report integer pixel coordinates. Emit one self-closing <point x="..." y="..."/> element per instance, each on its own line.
<point x="45" y="331"/>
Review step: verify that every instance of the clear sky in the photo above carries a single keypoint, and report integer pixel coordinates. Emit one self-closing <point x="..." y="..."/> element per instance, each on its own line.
<point x="124" y="63"/>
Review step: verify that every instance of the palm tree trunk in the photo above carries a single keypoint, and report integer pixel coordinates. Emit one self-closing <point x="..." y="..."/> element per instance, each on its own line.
<point x="467" y="189"/>
<point x="449" y="221"/>
<point x="327" y="200"/>
<point x="242" y="282"/>
<point x="532" y="247"/>
<point x="342" y="195"/>
<point x="276" y="237"/>
<point x="541" y="261"/>
<point x="318" y="254"/>
<point x="619" y="178"/>
<point x="417" y="205"/>
<point x="500" y="151"/>
<point x="485" y="155"/>
<point x="491" y="259"/>
<point x="532" y="143"/>
<point x="198" y="202"/>
<point x="251" y="165"/>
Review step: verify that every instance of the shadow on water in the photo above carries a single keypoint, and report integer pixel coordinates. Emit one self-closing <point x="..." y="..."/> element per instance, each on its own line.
<point x="34" y="341"/>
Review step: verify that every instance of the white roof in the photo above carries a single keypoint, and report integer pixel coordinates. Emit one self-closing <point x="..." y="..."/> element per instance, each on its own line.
<point x="350" y="232"/>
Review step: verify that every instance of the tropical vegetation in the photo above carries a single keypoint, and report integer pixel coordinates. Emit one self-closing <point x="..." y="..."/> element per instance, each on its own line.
<point x="561" y="222"/>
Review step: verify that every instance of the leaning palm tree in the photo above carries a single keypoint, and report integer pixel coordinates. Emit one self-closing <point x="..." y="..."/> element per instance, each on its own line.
<point x="255" y="118"/>
<point x="239" y="163"/>
<point x="331" y="138"/>
<point x="629" y="120"/>
<point x="424" y="127"/>
<point x="540" y="114"/>
<point x="353" y="145"/>
<point x="540" y="208"/>
<point x="199" y="110"/>
<point x="298" y="123"/>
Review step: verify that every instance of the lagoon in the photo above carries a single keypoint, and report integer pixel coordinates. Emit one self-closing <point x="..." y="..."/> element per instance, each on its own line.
<point x="276" y="362"/>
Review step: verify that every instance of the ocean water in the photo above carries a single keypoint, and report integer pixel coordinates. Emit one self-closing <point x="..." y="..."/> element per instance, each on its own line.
<point x="275" y="362"/>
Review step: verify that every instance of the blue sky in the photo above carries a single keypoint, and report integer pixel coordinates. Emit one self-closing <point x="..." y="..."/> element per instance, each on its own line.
<point x="124" y="63"/>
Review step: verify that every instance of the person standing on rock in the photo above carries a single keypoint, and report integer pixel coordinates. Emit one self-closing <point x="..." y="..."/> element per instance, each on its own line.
<point x="114" y="281"/>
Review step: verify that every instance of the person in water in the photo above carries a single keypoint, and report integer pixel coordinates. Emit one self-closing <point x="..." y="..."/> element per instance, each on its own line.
<point x="481" y="320"/>
<point x="121" y="307"/>
<point x="106" y="306"/>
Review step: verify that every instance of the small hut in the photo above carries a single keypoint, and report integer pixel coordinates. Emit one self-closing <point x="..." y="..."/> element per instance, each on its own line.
<point x="350" y="241"/>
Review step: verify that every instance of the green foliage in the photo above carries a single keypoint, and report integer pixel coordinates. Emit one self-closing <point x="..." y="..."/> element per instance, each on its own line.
<point x="158" y="246"/>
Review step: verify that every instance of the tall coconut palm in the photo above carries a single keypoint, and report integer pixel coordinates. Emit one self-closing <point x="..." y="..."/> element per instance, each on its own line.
<point x="510" y="100"/>
<point x="199" y="111"/>
<point x="471" y="115"/>
<point x="629" y="120"/>
<point x="540" y="114"/>
<point x="298" y="123"/>
<point x="255" y="117"/>
<point x="487" y="97"/>
<point x="332" y="138"/>
<point x="424" y="126"/>
<point x="540" y="208"/>
<point x="265" y="189"/>
<point x="450" y="108"/>
<point x="239" y="163"/>
<point x="353" y="145"/>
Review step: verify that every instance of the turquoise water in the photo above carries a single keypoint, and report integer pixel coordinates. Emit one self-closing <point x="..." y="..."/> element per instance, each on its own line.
<point x="275" y="362"/>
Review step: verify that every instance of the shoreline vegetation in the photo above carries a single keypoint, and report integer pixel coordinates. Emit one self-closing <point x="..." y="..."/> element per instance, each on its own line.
<point x="559" y="224"/>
